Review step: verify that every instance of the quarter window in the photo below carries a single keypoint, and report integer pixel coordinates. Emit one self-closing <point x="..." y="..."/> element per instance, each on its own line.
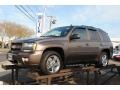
<point x="104" y="36"/>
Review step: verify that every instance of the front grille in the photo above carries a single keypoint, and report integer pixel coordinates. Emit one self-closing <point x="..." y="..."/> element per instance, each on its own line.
<point x="16" y="46"/>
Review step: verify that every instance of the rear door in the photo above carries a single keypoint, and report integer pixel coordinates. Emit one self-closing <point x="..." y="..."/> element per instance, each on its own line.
<point x="94" y="44"/>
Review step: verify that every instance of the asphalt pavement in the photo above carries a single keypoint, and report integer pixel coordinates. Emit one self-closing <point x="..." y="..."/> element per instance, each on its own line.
<point x="3" y="54"/>
<point x="3" y="60"/>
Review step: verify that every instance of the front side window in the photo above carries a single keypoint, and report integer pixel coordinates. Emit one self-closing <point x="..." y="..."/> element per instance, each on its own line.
<point x="81" y="32"/>
<point x="57" y="32"/>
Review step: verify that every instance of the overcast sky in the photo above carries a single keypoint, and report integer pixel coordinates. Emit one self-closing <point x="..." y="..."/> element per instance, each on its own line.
<point x="104" y="17"/>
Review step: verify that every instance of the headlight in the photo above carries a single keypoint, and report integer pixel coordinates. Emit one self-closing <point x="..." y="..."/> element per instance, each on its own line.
<point x="34" y="46"/>
<point x="29" y="46"/>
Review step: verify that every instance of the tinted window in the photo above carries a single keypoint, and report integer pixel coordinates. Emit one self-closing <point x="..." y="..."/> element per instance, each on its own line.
<point x="104" y="36"/>
<point x="94" y="36"/>
<point x="81" y="32"/>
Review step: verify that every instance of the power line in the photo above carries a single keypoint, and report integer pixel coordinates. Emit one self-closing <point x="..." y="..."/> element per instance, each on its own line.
<point x="27" y="11"/>
<point x="24" y="13"/>
<point x="32" y="12"/>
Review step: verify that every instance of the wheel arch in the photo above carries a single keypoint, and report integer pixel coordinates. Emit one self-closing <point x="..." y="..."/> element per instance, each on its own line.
<point x="107" y="51"/>
<point x="58" y="50"/>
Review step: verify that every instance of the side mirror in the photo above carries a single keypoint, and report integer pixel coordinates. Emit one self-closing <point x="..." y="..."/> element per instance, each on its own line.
<point x="75" y="36"/>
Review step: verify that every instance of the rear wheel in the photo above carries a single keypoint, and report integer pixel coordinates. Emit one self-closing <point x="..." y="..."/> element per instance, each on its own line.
<point x="51" y="62"/>
<point x="103" y="60"/>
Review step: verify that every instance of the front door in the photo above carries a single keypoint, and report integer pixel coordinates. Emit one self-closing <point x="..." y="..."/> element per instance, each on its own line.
<point x="78" y="48"/>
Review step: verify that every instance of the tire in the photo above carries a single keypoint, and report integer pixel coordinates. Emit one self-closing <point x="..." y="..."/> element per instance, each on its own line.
<point x="51" y="62"/>
<point x="103" y="60"/>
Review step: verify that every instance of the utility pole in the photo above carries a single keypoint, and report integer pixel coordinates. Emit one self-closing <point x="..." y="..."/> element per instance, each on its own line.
<point x="51" y="21"/>
<point x="44" y="19"/>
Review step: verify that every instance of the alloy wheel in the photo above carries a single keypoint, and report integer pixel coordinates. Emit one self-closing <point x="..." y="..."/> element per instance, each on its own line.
<point x="53" y="63"/>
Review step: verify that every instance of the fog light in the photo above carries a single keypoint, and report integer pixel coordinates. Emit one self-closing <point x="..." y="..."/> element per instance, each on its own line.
<point x="25" y="59"/>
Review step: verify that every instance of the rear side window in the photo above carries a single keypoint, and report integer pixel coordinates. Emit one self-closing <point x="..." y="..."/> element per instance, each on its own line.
<point x="104" y="36"/>
<point x="94" y="36"/>
<point x="82" y="33"/>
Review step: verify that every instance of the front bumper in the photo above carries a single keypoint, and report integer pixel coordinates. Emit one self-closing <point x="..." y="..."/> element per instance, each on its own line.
<point x="25" y="58"/>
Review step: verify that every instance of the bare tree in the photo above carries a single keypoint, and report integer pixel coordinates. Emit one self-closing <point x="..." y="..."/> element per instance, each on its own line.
<point x="22" y="31"/>
<point x="14" y="30"/>
<point x="2" y="35"/>
<point x="17" y="30"/>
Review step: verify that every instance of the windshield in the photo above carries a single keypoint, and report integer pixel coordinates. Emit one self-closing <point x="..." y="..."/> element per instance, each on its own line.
<point x="57" y="32"/>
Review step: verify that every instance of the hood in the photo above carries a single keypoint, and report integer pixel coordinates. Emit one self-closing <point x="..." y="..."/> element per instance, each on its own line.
<point x="29" y="40"/>
<point x="34" y="39"/>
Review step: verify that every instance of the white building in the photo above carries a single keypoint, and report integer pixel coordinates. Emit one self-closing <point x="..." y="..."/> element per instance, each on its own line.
<point x="116" y="42"/>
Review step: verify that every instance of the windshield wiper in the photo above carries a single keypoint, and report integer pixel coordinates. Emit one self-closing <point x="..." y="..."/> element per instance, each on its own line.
<point x="50" y="36"/>
<point x="42" y="36"/>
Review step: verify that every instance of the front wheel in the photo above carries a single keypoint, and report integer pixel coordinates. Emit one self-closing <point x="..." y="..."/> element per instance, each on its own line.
<point x="51" y="62"/>
<point x="103" y="60"/>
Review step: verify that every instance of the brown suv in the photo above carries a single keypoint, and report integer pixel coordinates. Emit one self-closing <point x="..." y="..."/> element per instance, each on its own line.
<point x="63" y="46"/>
